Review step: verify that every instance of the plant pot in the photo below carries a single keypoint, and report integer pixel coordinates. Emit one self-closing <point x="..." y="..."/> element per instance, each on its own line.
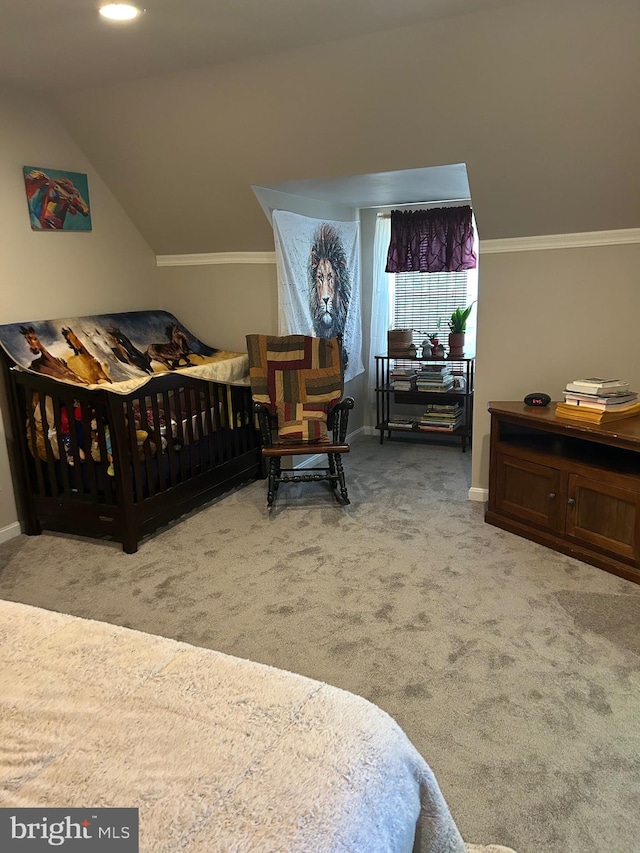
<point x="456" y="344"/>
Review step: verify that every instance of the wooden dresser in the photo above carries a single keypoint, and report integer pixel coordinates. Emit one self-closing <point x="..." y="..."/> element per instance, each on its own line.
<point x="570" y="486"/>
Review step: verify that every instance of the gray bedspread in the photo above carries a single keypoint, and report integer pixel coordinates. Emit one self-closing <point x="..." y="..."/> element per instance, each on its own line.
<point x="218" y="753"/>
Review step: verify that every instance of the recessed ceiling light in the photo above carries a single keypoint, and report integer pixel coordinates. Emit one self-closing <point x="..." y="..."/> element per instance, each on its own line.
<point x="119" y="12"/>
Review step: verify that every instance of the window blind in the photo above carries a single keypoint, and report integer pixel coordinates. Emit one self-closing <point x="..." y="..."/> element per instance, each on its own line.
<point x="423" y="299"/>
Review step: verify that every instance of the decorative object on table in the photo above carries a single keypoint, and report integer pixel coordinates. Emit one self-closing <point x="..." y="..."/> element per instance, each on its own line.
<point x="400" y="343"/>
<point x="433" y="338"/>
<point x="438" y="351"/>
<point x="457" y="326"/>
<point x="427" y="349"/>
<point x="537" y="398"/>
<point x="58" y="201"/>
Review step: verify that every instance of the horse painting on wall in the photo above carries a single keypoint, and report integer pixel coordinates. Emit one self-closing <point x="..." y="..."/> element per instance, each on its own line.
<point x="58" y="201"/>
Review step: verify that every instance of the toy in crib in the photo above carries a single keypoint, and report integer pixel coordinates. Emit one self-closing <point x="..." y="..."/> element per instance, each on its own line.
<point x="61" y="443"/>
<point x="65" y="433"/>
<point x="158" y="427"/>
<point x="65" y="436"/>
<point x="95" y="445"/>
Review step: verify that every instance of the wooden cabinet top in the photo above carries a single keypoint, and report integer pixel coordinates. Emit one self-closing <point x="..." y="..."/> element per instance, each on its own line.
<point x="621" y="433"/>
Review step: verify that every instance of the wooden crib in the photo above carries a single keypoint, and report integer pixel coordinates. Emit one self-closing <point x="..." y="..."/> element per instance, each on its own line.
<point x="100" y="464"/>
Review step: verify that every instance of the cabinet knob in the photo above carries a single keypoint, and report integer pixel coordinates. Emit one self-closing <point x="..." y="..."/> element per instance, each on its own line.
<point x="571" y="501"/>
<point x="552" y="494"/>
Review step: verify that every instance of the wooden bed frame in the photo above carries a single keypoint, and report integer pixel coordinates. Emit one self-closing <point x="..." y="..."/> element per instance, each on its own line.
<point x="149" y="456"/>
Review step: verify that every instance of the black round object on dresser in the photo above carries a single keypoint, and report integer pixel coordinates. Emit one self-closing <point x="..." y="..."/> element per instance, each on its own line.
<point x="537" y="399"/>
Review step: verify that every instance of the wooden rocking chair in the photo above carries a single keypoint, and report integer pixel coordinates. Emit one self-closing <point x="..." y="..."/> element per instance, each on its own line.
<point x="297" y="383"/>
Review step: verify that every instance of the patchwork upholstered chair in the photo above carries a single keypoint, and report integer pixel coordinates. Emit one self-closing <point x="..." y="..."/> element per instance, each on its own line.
<point x="297" y="383"/>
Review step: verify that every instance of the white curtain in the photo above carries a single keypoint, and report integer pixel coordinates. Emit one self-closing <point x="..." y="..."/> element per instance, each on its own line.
<point x="381" y="299"/>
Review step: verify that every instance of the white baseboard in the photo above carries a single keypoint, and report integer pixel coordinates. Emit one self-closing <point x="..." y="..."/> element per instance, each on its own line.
<point x="478" y="494"/>
<point x="10" y="531"/>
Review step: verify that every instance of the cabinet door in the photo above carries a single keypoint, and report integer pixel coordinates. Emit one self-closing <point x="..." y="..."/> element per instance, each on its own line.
<point x="603" y="514"/>
<point x="531" y="492"/>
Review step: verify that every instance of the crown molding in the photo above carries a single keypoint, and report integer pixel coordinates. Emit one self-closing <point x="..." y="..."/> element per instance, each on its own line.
<point x="205" y="259"/>
<point x="578" y="240"/>
<point x="487" y="247"/>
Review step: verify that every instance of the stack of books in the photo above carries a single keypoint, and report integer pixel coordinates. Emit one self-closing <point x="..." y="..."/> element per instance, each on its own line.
<point x="403" y="378"/>
<point x="435" y="377"/>
<point x="441" y="418"/>
<point x="598" y="400"/>
<point x="402" y="422"/>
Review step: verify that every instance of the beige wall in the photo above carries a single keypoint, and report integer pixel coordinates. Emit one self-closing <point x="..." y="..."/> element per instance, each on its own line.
<point x="547" y="317"/>
<point x="544" y="317"/>
<point x="222" y="303"/>
<point x="48" y="275"/>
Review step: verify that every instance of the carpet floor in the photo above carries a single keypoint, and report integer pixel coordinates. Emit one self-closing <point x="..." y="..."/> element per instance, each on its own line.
<point x="514" y="670"/>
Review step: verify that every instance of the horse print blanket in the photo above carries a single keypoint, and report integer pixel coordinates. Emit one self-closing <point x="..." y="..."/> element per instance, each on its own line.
<point x="118" y="352"/>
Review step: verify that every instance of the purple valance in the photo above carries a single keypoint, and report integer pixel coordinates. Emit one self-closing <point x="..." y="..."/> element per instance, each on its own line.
<point x="435" y="240"/>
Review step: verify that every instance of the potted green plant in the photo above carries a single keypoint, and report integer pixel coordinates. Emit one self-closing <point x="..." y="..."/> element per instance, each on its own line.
<point x="457" y="326"/>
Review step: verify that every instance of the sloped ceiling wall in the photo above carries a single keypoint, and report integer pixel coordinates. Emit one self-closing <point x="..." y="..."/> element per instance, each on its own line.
<point x="538" y="99"/>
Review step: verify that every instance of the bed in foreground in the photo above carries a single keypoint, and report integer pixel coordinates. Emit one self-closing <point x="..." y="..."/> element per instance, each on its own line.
<point x="217" y="753"/>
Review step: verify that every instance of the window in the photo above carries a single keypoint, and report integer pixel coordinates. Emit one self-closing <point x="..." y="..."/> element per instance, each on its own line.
<point x="424" y="301"/>
<point x="415" y="301"/>
<point x="421" y="301"/>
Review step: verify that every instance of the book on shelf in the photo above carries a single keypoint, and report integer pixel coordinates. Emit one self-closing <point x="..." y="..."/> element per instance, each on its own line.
<point x="435" y="388"/>
<point x="594" y="401"/>
<point x="434" y="369"/>
<point x="401" y="422"/>
<point x="450" y="408"/>
<point x="597" y="385"/>
<point x="433" y="428"/>
<point x="404" y="385"/>
<point x="440" y="418"/>
<point x="402" y="371"/>
<point x="583" y="414"/>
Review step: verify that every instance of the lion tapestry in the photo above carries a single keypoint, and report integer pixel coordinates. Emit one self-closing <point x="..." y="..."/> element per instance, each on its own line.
<point x="319" y="281"/>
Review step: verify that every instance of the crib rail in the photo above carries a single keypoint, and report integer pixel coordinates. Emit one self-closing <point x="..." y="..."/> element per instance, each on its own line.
<point x="98" y="463"/>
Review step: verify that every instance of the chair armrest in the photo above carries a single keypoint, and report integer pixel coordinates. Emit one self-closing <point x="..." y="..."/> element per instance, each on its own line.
<point x="346" y="403"/>
<point x="338" y="419"/>
<point x="265" y="423"/>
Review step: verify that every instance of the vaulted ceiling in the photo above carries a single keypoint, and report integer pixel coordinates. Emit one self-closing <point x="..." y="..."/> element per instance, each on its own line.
<point x="60" y="45"/>
<point x="182" y="113"/>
